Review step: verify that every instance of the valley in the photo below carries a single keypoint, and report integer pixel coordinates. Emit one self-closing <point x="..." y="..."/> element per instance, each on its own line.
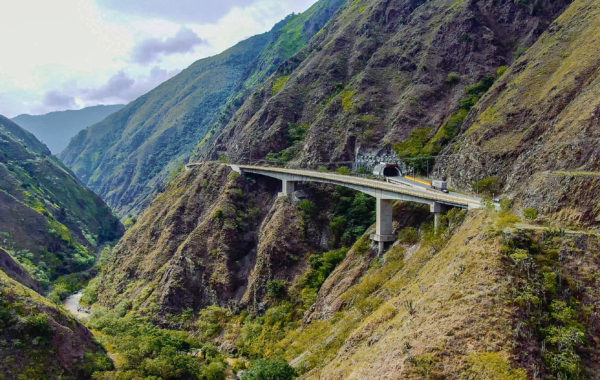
<point x="372" y="189"/>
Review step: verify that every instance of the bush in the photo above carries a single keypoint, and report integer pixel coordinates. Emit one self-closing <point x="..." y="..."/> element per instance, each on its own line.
<point x="409" y="235"/>
<point x="269" y="369"/>
<point x="489" y="186"/>
<point x="276" y="290"/>
<point x="530" y="213"/>
<point x="38" y="325"/>
<point x="343" y="170"/>
<point x="453" y="78"/>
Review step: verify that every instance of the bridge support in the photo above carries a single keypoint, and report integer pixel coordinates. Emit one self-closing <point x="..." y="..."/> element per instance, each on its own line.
<point x="437" y="209"/>
<point x="384" y="232"/>
<point x="287" y="187"/>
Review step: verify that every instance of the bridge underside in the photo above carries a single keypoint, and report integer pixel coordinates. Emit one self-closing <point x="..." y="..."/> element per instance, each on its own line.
<point x="384" y="234"/>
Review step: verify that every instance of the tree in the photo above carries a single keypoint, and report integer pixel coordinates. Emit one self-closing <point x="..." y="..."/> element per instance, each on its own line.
<point x="270" y="369"/>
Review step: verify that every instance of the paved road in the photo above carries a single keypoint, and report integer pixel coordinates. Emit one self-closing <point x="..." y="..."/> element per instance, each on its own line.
<point x="354" y="182"/>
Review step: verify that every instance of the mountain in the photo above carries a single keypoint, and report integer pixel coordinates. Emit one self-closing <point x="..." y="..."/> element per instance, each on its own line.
<point x="128" y="157"/>
<point x="55" y="129"/>
<point x="40" y="341"/>
<point x="536" y="133"/>
<point x="377" y="72"/>
<point x="49" y="222"/>
<point x="501" y="95"/>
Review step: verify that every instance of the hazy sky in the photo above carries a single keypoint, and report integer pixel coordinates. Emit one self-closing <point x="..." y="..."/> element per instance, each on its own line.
<point x="69" y="54"/>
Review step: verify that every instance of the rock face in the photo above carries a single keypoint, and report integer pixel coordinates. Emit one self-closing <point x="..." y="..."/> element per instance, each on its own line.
<point x="377" y="71"/>
<point x="537" y="130"/>
<point x="127" y="157"/>
<point x="41" y="341"/>
<point x="49" y="221"/>
<point x="211" y="238"/>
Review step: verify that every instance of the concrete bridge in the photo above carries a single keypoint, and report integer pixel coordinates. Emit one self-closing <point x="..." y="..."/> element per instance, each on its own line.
<point x="384" y="192"/>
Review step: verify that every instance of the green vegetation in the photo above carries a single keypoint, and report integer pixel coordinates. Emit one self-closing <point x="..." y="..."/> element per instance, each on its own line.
<point x="264" y="369"/>
<point x="321" y="266"/>
<point x="420" y="149"/>
<point x="549" y="305"/>
<point x="145" y="350"/>
<point x="296" y="133"/>
<point x="353" y="213"/>
<point x="488" y="186"/>
<point x="530" y="213"/>
<point x="280" y="83"/>
<point x="494" y="365"/>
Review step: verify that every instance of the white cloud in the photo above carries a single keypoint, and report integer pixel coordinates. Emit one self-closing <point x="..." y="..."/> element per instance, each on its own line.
<point x="63" y="47"/>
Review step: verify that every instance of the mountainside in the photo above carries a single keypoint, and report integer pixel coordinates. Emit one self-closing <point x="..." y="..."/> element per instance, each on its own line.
<point x="49" y="222"/>
<point x="502" y="95"/>
<point x="55" y="129"/>
<point x="39" y="341"/>
<point x="537" y="131"/>
<point x="128" y="157"/>
<point x="378" y="71"/>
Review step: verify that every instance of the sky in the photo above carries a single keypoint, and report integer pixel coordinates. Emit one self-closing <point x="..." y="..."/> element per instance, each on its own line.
<point x="70" y="54"/>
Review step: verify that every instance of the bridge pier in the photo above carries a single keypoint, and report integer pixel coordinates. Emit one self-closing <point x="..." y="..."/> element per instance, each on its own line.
<point x="437" y="209"/>
<point x="384" y="228"/>
<point x="287" y="187"/>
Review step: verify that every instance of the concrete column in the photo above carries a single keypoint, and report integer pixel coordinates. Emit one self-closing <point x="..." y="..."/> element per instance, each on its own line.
<point x="384" y="217"/>
<point x="384" y="228"/>
<point x="436" y="209"/>
<point x="287" y="187"/>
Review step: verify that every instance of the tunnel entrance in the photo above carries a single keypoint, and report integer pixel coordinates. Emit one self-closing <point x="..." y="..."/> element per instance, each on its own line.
<point x="391" y="171"/>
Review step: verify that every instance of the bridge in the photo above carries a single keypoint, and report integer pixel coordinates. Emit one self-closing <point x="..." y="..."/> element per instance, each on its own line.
<point x="384" y="193"/>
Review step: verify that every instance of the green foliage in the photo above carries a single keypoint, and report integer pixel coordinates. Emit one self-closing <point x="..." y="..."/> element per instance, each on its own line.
<point x="273" y="369"/>
<point x="211" y="321"/>
<point x="453" y="78"/>
<point x="276" y="290"/>
<point x="64" y="286"/>
<point x="494" y="365"/>
<point x="409" y="235"/>
<point x="488" y="186"/>
<point x="344" y="170"/>
<point x="279" y="84"/>
<point x="530" y="213"/>
<point x="148" y="351"/>
<point x="346" y="98"/>
<point x="353" y="213"/>
<point x="38" y="326"/>
<point x="505" y="204"/>
<point x="295" y="135"/>
<point x="538" y="293"/>
<point x="321" y="267"/>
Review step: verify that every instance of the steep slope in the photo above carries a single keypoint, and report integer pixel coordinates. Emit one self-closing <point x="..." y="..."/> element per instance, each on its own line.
<point x="377" y="71"/>
<point x="49" y="221"/>
<point x="127" y="158"/>
<point x="538" y="129"/>
<point x="39" y="341"/>
<point x="55" y="129"/>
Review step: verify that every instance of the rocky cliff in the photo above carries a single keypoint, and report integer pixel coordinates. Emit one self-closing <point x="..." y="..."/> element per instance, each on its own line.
<point x="537" y="130"/>
<point x="375" y="73"/>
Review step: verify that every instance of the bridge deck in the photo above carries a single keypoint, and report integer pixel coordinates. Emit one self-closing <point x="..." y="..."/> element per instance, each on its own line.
<point x="428" y="195"/>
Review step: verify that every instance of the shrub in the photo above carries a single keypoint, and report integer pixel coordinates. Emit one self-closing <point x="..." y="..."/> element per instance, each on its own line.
<point x="343" y="170"/>
<point x="494" y="365"/>
<point x="279" y="84"/>
<point x="489" y="186"/>
<point x="530" y="213"/>
<point x="409" y="235"/>
<point x="270" y="369"/>
<point x="276" y="290"/>
<point x="453" y="78"/>
<point x="38" y="325"/>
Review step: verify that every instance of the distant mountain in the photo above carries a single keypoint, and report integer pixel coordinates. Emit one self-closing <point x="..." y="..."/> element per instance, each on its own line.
<point x="55" y="129"/>
<point x="127" y="158"/>
<point x="49" y="222"/>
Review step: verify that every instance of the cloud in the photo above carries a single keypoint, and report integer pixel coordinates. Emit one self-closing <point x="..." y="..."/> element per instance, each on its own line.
<point x="123" y="88"/>
<point x="150" y="50"/>
<point x="182" y="11"/>
<point x="59" y="100"/>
